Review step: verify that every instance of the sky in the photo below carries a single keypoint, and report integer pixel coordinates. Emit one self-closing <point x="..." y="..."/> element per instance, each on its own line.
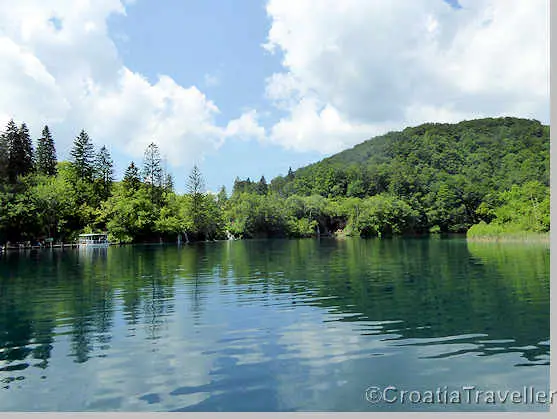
<point x="245" y="88"/>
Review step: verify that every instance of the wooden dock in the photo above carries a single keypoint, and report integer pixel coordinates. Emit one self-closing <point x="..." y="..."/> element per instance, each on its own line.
<point x="37" y="247"/>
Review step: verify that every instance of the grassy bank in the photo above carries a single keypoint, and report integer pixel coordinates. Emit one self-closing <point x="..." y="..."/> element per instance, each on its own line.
<point x="505" y="233"/>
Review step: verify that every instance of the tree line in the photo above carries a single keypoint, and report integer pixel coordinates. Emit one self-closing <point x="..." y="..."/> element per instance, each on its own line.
<point x="435" y="178"/>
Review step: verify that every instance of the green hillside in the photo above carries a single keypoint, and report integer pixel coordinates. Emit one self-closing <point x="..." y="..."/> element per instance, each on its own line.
<point x="450" y="175"/>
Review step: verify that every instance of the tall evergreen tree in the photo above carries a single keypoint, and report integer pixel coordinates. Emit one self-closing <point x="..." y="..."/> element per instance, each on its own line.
<point x="222" y="197"/>
<point x="46" y="153"/>
<point x="83" y="156"/>
<point x="169" y="183"/>
<point x="152" y="172"/>
<point x="11" y="139"/>
<point x="27" y="144"/>
<point x="4" y="157"/>
<point x="167" y="179"/>
<point x="104" y="171"/>
<point x="195" y="186"/>
<point x="20" y="150"/>
<point x="132" y="179"/>
<point x="262" y="186"/>
<point x="195" y="183"/>
<point x="237" y="185"/>
<point x="152" y="166"/>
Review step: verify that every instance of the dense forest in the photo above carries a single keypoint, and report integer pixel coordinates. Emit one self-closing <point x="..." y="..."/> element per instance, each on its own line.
<point x="486" y="176"/>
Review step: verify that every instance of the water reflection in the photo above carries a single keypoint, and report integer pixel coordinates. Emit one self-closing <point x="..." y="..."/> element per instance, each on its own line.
<point x="268" y="325"/>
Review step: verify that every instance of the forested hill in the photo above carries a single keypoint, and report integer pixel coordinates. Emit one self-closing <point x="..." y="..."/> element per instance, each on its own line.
<point x="445" y="172"/>
<point x="492" y="153"/>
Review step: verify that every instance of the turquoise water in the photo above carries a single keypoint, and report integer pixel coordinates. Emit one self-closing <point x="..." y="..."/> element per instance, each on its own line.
<point x="277" y="325"/>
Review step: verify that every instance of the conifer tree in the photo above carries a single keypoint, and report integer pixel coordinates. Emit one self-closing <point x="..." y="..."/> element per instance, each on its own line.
<point x="83" y="156"/>
<point x="290" y="174"/>
<point x="4" y="157"/>
<point x="169" y="183"/>
<point x="104" y="171"/>
<point x="152" y="168"/>
<point x="195" y="186"/>
<point x="20" y="150"/>
<point x="152" y="172"/>
<point x="262" y="186"/>
<point x="28" y="163"/>
<point x="132" y="179"/>
<point x="222" y="196"/>
<point x="195" y="183"/>
<point x="46" y="154"/>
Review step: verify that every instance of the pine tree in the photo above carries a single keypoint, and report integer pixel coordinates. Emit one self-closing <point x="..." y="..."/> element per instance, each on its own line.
<point x="290" y="174"/>
<point x="104" y="171"/>
<point x="237" y="186"/>
<point x="46" y="154"/>
<point x="20" y="150"/>
<point x="11" y="139"/>
<point x="132" y="179"/>
<point x="222" y="196"/>
<point x="28" y="165"/>
<point x="195" y="186"/>
<point x="83" y="155"/>
<point x="262" y="186"/>
<point x="152" y="168"/>
<point x="4" y="157"/>
<point x="152" y="172"/>
<point x="169" y="183"/>
<point x="167" y="179"/>
<point x="195" y="183"/>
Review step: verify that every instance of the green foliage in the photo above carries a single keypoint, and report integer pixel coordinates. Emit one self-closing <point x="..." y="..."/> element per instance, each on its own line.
<point x="381" y="215"/>
<point x="4" y="158"/>
<point x="54" y="201"/>
<point x="262" y="186"/>
<point x="129" y="217"/>
<point x="27" y="163"/>
<point x="46" y="154"/>
<point x="222" y="198"/>
<point x="491" y="175"/>
<point x="83" y="156"/>
<point x="152" y="172"/>
<point x="19" y="151"/>
<point x="168" y="183"/>
<point x="253" y="215"/>
<point x="520" y="209"/>
<point x="448" y="173"/>
<point x="103" y="173"/>
<point x="132" y="179"/>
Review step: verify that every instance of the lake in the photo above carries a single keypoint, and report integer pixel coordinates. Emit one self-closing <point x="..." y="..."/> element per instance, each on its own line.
<point x="275" y="325"/>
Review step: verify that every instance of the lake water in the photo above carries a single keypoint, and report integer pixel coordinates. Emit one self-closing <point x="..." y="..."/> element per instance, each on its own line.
<point x="277" y="325"/>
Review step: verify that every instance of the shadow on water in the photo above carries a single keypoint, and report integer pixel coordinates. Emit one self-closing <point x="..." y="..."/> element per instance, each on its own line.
<point x="259" y="316"/>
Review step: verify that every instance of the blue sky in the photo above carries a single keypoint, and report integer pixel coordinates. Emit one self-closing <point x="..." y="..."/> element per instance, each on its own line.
<point x="216" y="44"/>
<point x="245" y="88"/>
<point x="193" y="41"/>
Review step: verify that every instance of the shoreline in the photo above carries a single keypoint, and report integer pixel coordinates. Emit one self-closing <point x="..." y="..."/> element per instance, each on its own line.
<point x="524" y="237"/>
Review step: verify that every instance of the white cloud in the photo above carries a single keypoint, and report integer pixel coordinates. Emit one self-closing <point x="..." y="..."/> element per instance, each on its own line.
<point x="60" y="66"/>
<point x="313" y="127"/>
<point x="180" y="120"/>
<point x="358" y="67"/>
<point x="352" y="69"/>
<point x="246" y="127"/>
